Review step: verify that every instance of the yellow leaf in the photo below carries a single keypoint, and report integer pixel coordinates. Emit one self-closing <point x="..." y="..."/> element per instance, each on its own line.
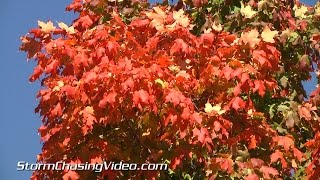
<point x="216" y="26"/>
<point x="250" y="38"/>
<point x="317" y="10"/>
<point x="208" y="172"/>
<point x="286" y="32"/>
<point x="59" y="85"/>
<point x="174" y="68"/>
<point x="158" y="18"/>
<point x="250" y="112"/>
<point x="46" y="27"/>
<point x="89" y="110"/>
<point x="69" y="30"/>
<point x="247" y="11"/>
<point x="63" y="25"/>
<point x="162" y="83"/>
<point x="208" y="108"/>
<point x="300" y="12"/>
<point x="159" y="11"/>
<point x="261" y="5"/>
<point x="294" y="164"/>
<point x="217" y="108"/>
<point x="268" y="35"/>
<point x="146" y="133"/>
<point x="181" y="18"/>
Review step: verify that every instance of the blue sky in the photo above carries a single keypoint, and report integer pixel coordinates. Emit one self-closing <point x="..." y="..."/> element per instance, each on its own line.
<point x="18" y="136"/>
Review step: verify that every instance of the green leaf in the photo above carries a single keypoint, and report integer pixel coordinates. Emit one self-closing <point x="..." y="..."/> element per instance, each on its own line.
<point x="293" y="95"/>
<point x="283" y="108"/>
<point x="271" y="111"/>
<point x="187" y="176"/>
<point x="293" y="36"/>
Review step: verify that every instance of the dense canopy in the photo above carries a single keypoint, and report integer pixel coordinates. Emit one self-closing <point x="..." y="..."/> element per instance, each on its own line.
<point x="211" y="87"/>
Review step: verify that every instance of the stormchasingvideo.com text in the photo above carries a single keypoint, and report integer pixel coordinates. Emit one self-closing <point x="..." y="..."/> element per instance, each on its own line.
<point x="113" y="166"/>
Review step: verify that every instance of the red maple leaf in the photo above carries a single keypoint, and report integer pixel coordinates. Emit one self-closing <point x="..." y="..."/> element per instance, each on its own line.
<point x="284" y="141"/>
<point x="252" y="177"/>
<point x="298" y="154"/>
<point x="50" y="68"/>
<point x="31" y="46"/>
<point x="57" y="110"/>
<point x="140" y="96"/>
<point x="259" y="86"/>
<point x="175" y="97"/>
<point x="267" y="171"/>
<point x="237" y="103"/>
<point x="257" y="163"/>
<point x="278" y="155"/>
<point x="108" y="98"/>
<point x="179" y="46"/>
<point x="71" y="175"/>
<point x="84" y="21"/>
<point x="129" y="83"/>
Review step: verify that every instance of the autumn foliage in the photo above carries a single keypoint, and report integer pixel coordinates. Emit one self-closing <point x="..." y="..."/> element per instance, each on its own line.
<point x="211" y="87"/>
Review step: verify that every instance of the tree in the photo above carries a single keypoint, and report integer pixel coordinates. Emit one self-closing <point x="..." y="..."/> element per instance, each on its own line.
<point x="211" y="87"/>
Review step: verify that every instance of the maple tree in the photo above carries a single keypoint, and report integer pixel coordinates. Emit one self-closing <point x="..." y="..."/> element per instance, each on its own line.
<point x="211" y="87"/>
